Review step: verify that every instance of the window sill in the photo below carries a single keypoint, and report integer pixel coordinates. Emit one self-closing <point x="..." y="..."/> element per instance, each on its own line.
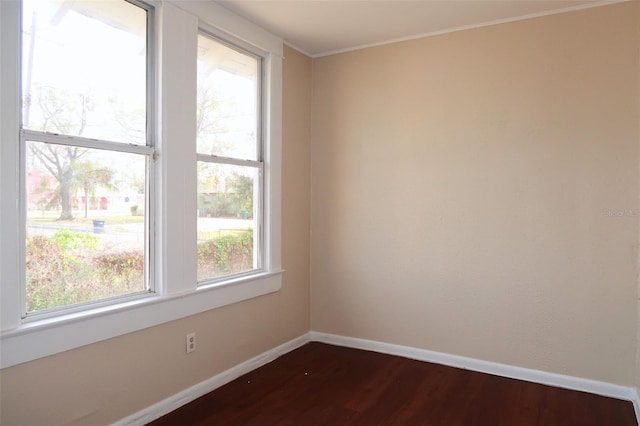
<point x="40" y="338"/>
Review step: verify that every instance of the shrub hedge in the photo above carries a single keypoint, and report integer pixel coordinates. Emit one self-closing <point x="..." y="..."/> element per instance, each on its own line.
<point x="71" y="267"/>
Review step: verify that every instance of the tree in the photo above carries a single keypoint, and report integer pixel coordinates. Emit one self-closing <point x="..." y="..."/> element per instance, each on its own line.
<point x="88" y="177"/>
<point x="210" y="124"/>
<point x="47" y="197"/>
<point x="135" y="179"/>
<point x="241" y="188"/>
<point x="64" y="113"/>
<point x="60" y="161"/>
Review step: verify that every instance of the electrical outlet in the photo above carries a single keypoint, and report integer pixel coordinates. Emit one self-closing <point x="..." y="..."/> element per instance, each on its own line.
<point x="191" y="342"/>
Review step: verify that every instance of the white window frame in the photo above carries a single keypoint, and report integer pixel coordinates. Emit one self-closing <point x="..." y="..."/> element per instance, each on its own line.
<point x="258" y="163"/>
<point x="148" y="150"/>
<point x="66" y="140"/>
<point x="177" y="294"/>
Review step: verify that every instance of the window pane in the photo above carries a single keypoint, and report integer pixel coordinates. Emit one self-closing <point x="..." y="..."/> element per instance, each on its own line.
<point x="227" y="101"/>
<point x="227" y="217"/>
<point x="85" y="225"/>
<point x="84" y="69"/>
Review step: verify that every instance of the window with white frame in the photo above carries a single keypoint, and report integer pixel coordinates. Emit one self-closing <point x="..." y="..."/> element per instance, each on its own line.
<point x="229" y="160"/>
<point x="107" y="223"/>
<point x="86" y="153"/>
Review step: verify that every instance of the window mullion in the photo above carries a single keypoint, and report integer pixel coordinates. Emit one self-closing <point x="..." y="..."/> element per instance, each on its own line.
<point x="170" y="130"/>
<point x="177" y="233"/>
<point x="10" y="279"/>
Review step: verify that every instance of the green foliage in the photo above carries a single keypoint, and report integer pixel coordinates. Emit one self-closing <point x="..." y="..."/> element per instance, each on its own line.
<point x="47" y="271"/>
<point x="89" y="176"/>
<point x="225" y="254"/>
<point x="48" y="198"/>
<point x="237" y="203"/>
<point x="242" y="195"/>
<point x="67" y="269"/>
<point x="69" y="240"/>
<point x="125" y="266"/>
<point x="215" y="205"/>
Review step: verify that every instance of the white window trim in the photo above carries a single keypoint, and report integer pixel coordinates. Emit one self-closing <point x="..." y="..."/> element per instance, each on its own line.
<point x="257" y="163"/>
<point x="178" y="295"/>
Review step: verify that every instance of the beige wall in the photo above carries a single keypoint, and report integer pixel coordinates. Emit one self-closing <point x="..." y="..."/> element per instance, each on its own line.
<point x="460" y="190"/>
<point x="638" y="295"/>
<point x="104" y="382"/>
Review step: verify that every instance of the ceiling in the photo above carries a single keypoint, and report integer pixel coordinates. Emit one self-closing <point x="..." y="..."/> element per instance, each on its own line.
<point x="321" y="27"/>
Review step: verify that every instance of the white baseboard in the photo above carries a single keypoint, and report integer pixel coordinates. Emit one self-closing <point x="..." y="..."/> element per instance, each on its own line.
<point x="636" y="404"/>
<point x="536" y="376"/>
<point x="181" y="398"/>
<point x="504" y="370"/>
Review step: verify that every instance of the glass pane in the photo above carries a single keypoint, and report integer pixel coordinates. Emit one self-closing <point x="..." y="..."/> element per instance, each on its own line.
<point x="85" y="225"/>
<point x="227" y="218"/>
<point x="84" y="69"/>
<point x="227" y="101"/>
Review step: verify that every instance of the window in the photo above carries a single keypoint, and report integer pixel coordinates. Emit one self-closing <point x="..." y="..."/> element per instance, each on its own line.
<point x="98" y="122"/>
<point x="86" y="153"/>
<point x="229" y="166"/>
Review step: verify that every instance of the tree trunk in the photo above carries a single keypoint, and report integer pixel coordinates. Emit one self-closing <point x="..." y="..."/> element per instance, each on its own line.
<point x="86" y="202"/>
<point x="65" y="196"/>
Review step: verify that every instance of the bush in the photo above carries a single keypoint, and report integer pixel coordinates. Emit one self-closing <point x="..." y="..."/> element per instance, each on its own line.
<point x="225" y="254"/>
<point x="69" y="240"/>
<point x="51" y="275"/>
<point x="65" y="269"/>
<point x="124" y="267"/>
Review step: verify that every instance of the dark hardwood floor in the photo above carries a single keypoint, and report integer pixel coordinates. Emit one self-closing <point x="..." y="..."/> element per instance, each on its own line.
<point x="320" y="384"/>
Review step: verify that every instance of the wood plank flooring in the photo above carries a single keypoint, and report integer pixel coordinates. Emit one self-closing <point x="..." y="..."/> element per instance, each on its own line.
<point x="320" y="384"/>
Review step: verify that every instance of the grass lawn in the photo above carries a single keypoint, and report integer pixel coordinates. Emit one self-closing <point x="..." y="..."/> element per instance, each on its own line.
<point x="112" y="220"/>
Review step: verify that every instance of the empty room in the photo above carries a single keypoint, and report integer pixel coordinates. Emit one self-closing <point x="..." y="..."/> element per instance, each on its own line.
<point x="319" y="212"/>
